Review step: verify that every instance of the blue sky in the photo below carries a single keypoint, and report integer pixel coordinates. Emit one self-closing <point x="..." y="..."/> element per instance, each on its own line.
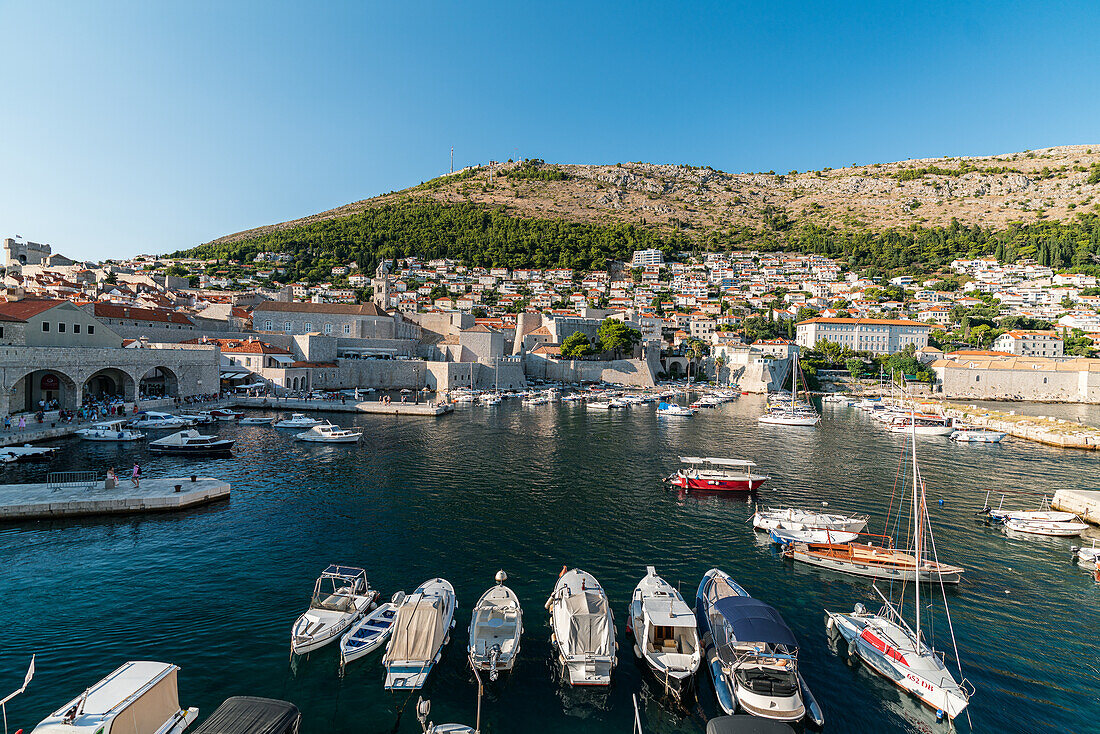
<point x="147" y="127"/>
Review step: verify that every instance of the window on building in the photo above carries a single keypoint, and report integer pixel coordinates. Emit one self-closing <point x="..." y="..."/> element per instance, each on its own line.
<point x="309" y="326"/>
<point x="76" y="328"/>
<point x="45" y="326"/>
<point x="268" y="326"/>
<point x="286" y="327"/>
<point x="977" y="378"/>
<point x="347" y="329"/>
<point x="91" y="329"/>
<point x="60" y="328"/>
<point x="328" y="328"/>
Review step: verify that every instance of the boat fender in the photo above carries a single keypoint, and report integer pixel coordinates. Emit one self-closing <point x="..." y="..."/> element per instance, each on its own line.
<point x="637" y="651"/>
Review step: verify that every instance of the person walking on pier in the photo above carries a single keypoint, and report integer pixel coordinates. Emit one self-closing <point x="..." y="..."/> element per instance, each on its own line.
<point x="22" y="422"/>
<point x="135" y="476"/>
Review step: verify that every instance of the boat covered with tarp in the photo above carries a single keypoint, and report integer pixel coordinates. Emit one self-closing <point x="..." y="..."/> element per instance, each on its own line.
<point x="252" y="715"/>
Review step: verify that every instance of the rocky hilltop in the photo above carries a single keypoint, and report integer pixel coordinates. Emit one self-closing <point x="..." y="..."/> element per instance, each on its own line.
<point x="1052" y="184"/>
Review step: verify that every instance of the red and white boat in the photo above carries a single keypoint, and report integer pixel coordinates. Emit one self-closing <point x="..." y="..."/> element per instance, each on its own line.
<point x="224" y="414"/>
<point x="717" y="475"/>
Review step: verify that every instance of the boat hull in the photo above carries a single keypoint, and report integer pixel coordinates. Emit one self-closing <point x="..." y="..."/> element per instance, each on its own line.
<point x="801" y="552"/>
<point x="214" y="449"/>
<point x="746" y="484"/>
<point x="782" y="420"/>
<point x="978" y="436"/>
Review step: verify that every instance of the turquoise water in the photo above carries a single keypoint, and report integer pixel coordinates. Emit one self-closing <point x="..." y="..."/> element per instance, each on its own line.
<point x="529" y="489"/>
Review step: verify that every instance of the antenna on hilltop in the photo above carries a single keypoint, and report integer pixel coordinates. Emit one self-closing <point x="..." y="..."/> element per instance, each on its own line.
<point x="452" y="159"/>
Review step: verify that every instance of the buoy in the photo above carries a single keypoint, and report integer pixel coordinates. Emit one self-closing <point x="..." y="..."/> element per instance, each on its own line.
<point x="941" y="502"/>
<point x="501" y="576"/>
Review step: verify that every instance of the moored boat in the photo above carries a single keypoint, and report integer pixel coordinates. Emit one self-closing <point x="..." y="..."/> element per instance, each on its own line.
<point x="1054" y="528"/>
<point x="109" y="431"/>
<point x="582" y="628"/>
<point x="673" y="409"/>
<point x="922" y="424"/>
<point x="872" y="561"/>
<point x="786" y="536"/>
<point x="370" y="632"/>
<point x="190" y="442"/>
<point x="297" y="420"/>
<point x="496" y="626"/>
<point x="665" y="637"/>
<point x="421" y="628"/>
<point x="151" y="419"/>
<point x="328" y="433"/>
<point x="751" y="653"/>
<point x="769" y="518"/>
<point x="139" y="698"/>
<point x="977" y="435"/>
<point x="717" y="474"/>
<point x="341" y="595"/>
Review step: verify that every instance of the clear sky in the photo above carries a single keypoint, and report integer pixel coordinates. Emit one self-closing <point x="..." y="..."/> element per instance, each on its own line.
<point x="133" y="127"/>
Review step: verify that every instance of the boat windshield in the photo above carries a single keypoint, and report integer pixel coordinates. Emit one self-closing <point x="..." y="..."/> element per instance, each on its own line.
<point x="769" y="680"/>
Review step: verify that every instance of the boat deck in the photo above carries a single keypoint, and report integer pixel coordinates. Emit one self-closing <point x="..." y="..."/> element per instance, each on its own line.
<point x="19" y="502"/>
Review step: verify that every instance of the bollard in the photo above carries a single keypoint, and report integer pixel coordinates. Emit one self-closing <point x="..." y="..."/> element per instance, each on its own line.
<point x="179" y="487"/>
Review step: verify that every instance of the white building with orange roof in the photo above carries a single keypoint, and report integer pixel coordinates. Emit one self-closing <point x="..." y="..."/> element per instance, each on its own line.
<point x="877" y="336"/>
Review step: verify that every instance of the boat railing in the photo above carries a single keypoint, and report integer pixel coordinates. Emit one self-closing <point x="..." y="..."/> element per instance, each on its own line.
<point x="71" y="479"/>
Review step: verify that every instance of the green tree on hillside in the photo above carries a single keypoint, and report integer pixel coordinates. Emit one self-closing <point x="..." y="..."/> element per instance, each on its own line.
<point x="576" y="345"/>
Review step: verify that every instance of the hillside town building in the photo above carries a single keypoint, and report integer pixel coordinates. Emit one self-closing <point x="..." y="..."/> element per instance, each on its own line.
<point x="877" y="336"/>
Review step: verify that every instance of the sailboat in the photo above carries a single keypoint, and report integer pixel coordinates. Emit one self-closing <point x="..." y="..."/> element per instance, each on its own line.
<point x="795" y="414"/>
<point x="892" y="648"/>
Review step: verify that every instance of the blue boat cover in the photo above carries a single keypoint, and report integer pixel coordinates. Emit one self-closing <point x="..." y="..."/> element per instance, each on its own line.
<point x="754" y="621"/>
<point x="662" y="406"/>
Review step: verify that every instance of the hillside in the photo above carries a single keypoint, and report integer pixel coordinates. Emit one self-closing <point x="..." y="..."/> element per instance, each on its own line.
<point x="1021" y="201"/>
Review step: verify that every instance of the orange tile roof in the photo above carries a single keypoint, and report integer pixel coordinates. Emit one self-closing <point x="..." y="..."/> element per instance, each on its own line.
<point x="874" y="322"/>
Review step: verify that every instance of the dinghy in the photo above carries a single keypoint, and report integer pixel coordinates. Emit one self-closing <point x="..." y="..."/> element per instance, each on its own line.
<point x="370" y="632"/>
<point x="341" y="595"/>
<point x="1087" y="557"/>
<point x="751" y="653"/>
<point x="582" y="628"/>
<point x="421" y="628"/>
<point x="495" y="629"/>
<point x="665" y="637"/>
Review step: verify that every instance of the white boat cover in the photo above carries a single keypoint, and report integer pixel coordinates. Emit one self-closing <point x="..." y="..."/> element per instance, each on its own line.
<point x="588" y="628"/>
<point x="418" y="631"/>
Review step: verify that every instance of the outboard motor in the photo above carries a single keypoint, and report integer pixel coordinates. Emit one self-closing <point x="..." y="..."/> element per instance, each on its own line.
<point x="494" y="658"/>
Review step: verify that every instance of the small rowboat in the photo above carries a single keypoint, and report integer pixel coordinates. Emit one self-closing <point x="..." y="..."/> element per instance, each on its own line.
<point x="370" y="632"/>
<point x="1061" y="529"/>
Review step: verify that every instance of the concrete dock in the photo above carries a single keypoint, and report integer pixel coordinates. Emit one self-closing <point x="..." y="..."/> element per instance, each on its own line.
<point x="42" y="502"/>
<point x="1083" y="502"/>
<point x="367" y="406"/>
<point x="1050" y="431"/>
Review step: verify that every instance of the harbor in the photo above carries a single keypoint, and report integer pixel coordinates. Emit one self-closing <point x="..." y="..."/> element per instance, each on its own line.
<point x="487" y="489"/>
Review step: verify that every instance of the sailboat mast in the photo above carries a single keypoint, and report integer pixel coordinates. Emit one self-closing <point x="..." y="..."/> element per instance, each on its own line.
<point x="917" y="533"/>
<point x="794" y="380"/>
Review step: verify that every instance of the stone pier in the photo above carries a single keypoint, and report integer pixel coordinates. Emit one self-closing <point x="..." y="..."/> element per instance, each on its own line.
<point x="21" y="502"/>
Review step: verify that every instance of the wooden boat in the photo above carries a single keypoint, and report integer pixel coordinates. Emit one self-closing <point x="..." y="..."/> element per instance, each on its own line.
<point x="370" y="632"/>
<point x="871" y="561"/>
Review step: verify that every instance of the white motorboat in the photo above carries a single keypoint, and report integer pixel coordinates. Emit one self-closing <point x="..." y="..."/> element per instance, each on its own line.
<point x="582" y="628"/>
<point x="191" y="442"/>
<point x="297" y="420"/>
<point x="109" y="431"/>
<point x="422" y="627"/>
<point x="423" y="708"/>
<point x="225" y="414"/>
<point x="674" y="409"/>
<point x="491" y="399"/>
<point x="751" y="653"/>
<point x="768" y="519"/>
<point x="328" y="433"/>
<point x="885" y="640"/>
<point x="370" y="632"/>
<point x="1054" y="528"/>
<point x="1087" y="557"/>
<point x="199" y="419"/>
<point x="341" y="596"/>
<point x="153" y="420"/>
<point x="604" y="405"/>
<point x="663" y="626"/>
<point x="977" y="435"/>
<point x="837" y="397"/>
<point x="139" y="698"/>
<point x="496" y="625"/>
<point x="802" y="534"/>
<point x="464" y="397"/>
<point x="256" y="421"/>
<point x="923" y="424"/>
